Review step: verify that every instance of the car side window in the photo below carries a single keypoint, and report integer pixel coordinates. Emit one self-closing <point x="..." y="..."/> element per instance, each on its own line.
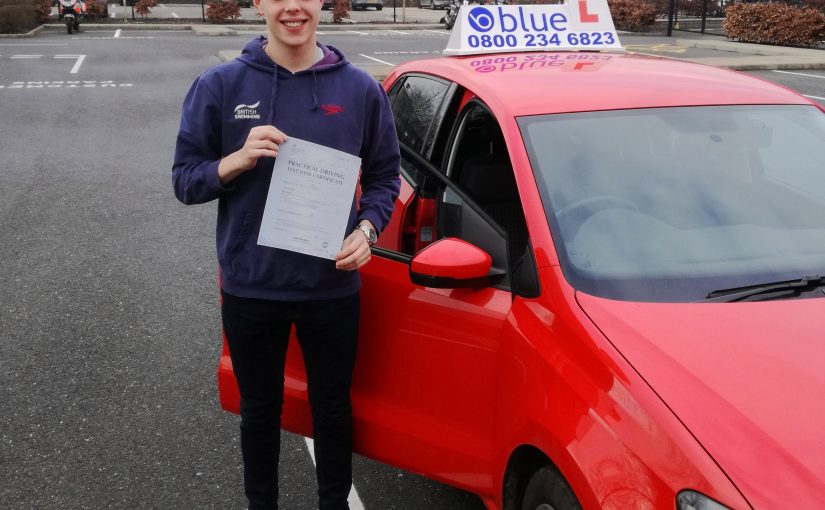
<point x="441" y="209"/>
<point x="418" y="106"/>
<point x="480" y="166"/>
<point x="477" y="199"/>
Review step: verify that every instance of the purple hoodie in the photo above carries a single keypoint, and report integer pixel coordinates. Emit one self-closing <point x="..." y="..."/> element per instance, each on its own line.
<point x="332" y="104"/>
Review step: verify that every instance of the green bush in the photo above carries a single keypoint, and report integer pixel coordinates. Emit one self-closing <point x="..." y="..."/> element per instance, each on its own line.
<point x="773" y="23"/>
<point x="18" y="16"/>
<point x="633" y="15"/>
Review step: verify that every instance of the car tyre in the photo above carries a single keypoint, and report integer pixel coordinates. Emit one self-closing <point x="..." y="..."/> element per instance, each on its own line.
<point x="379" y="7"/>
<point x="548" y="490"/>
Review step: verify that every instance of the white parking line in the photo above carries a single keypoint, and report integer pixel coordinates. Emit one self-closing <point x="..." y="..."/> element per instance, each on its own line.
<point x="32" y="44"/>
<point x="121" y="38"/>
<point x="380" y="61"/>
<point x="80" y="59"/>
<point x="439" y="32"/>
<point x="399" y="32"/>
<point x="404" y="52"/>
<point x="800" y="74"/>
<point x="26" y="56"/>
<point x="359" y="33"/>
<point x="117" y="33"/>
<point x="174" y="15"/>
<point x="353" y="499"/>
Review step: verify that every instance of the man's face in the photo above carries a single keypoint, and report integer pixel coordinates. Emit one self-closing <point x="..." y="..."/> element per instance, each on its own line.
<point x="291" y="23"/>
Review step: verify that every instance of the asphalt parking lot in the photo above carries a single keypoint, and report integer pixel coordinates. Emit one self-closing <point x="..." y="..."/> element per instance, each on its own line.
<point x="109" y="308"/>
<point x="110" y="312"/>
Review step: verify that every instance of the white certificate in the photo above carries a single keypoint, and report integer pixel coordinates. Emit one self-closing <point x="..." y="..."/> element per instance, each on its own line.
<point x="309" y="200"/>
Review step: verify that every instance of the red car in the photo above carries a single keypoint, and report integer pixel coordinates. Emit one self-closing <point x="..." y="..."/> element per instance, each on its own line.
<point x="602" y="287"/>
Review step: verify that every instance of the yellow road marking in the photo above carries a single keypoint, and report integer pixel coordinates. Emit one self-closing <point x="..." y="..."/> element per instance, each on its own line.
<point x="660" y="48"/>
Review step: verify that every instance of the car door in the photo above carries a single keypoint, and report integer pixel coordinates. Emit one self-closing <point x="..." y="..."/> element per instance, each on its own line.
<point x="425" y="387"/>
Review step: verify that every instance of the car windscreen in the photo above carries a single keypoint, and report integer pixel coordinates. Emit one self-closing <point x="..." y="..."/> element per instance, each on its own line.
<point x="668" y="204"/>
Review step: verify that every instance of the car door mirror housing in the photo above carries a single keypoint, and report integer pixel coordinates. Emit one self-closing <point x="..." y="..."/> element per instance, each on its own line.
<point x="452" y="263"/>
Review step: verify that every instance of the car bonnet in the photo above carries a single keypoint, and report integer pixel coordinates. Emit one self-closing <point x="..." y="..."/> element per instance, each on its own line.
<point x="747" y="380"/>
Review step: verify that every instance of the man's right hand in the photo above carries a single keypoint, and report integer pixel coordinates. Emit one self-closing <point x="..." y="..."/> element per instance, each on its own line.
<point x="262" y="141"/>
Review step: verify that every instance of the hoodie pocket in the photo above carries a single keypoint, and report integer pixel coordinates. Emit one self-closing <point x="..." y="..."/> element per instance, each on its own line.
<point x="248" y="223"/>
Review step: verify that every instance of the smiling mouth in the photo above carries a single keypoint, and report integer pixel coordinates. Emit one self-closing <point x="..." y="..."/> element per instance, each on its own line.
<point x="293" y="24"/>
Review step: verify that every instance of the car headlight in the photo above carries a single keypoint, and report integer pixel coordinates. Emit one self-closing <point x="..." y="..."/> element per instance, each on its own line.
<point x="692" y="500"/>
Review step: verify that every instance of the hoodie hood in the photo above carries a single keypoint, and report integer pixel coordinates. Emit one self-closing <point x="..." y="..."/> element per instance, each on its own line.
<point x="254" y="55"/>
<point x="747" y="379"/>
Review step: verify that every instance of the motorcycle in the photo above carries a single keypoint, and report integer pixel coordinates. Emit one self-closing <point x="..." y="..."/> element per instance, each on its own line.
<point x="452" y="13"/>
<point x="70" y="11"/>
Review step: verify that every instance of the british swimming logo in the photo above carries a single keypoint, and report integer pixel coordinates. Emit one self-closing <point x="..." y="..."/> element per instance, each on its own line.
<point x="247" y="111"/>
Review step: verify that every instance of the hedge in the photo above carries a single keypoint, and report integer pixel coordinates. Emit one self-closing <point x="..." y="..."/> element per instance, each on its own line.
<point x="18" y="16"/>
<point x="775" y="23"/>
<point x="633" y="15"/>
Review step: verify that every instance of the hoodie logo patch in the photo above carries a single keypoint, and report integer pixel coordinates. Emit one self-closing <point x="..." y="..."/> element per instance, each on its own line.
<point x="247" y="111"/>
<point x="331" y="109"/>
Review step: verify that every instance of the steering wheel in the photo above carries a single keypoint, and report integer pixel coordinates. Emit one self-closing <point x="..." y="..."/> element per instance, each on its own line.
<point x="571" y="217"/>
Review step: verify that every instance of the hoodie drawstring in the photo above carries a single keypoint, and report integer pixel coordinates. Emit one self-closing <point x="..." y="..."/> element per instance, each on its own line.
<point x="315" y="105"/>
<point x="271" y="113"/>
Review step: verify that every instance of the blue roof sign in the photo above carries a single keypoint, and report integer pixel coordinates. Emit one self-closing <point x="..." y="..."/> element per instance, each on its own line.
<point x="574" y="26"/>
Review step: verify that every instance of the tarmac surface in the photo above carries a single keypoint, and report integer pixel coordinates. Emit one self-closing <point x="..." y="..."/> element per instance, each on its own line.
<point x="706" y="49"/>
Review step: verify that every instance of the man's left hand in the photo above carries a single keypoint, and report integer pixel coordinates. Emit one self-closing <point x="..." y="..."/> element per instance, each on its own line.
<point x="355" y="252"/>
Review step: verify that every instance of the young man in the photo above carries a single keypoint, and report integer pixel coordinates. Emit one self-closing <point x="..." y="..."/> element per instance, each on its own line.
<point x="234" y="119"/>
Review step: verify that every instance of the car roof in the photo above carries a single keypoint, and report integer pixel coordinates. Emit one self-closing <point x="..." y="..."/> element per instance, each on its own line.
<point x="563" y="82"/>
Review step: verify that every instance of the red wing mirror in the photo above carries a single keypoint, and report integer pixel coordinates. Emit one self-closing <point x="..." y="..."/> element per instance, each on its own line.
<point x="450" y="263"/>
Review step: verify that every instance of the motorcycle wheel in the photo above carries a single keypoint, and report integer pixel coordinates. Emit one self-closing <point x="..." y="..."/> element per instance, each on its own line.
<point x="77" y="26"/>
<point x="69" y="25"/>
<point x="448" y="23"/>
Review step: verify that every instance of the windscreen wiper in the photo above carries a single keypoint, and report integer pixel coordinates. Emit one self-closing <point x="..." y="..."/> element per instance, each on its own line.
<point x="796" y="287"/>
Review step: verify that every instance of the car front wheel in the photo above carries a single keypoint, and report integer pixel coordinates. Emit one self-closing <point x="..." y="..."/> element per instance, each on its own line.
<point x="548" y="490"/>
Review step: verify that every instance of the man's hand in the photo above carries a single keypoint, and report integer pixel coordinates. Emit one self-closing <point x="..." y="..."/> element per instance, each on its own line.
<point x="355" y="252"/>
<point x="262" y="141"/>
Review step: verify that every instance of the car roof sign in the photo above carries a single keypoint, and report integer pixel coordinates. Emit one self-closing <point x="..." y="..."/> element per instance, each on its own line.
<point x="576" y="25"/>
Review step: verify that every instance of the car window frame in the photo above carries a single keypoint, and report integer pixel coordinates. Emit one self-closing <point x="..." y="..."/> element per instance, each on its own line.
<point x="436" y="126"/>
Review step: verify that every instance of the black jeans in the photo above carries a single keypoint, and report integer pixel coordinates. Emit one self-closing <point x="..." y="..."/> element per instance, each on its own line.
<point x="257" y="332"/>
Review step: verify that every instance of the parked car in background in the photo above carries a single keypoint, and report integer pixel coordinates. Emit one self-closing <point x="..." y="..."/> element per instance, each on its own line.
<point x="360" y="5"/>
<point x="433" y="4"/>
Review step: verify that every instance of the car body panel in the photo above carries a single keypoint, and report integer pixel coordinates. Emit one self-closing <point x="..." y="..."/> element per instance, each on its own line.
<point x="564" y="82"/>
<point x="449" y="383"/>
<point x="753" y="399"/>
